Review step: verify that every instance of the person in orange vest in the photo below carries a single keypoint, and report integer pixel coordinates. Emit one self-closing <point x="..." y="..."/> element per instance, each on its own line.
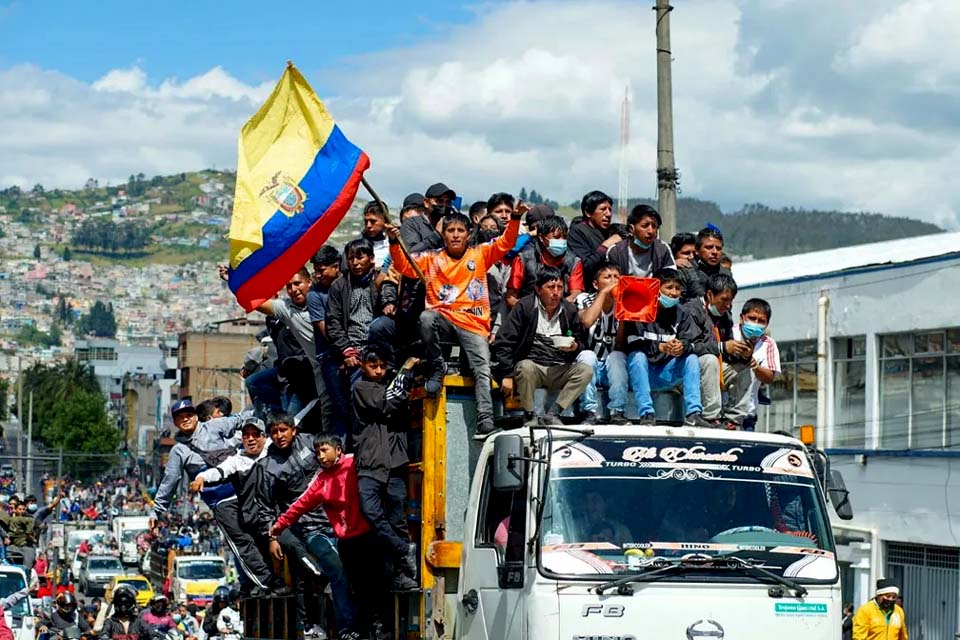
<point x="881" y="618"/>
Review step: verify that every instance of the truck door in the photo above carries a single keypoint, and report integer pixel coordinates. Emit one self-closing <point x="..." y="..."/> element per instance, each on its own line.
<point x="488" y="611"/>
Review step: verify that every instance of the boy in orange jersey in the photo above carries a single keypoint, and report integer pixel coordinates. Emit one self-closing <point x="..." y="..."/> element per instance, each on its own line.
<point x="457" y="301"/>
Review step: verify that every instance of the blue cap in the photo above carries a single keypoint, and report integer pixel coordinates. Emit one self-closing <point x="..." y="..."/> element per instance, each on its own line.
<point x="182" y="405"/>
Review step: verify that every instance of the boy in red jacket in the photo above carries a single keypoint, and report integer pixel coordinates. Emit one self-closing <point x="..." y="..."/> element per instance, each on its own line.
<point x="335" y="488"/>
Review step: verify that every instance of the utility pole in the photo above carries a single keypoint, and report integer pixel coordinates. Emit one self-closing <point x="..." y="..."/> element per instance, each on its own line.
<point x="28" y="481"/>
<point x="60" y="469"/>
<point x="20" y="422"/>
<point x="667" y="175"/>
<point x="624" y="143"/>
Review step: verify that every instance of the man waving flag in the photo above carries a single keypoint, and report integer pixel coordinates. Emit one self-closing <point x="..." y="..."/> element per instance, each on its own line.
<point x="297" y="175"/>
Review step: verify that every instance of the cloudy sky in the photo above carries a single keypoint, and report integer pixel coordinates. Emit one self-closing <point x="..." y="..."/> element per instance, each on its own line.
<point x="811" y="103"/>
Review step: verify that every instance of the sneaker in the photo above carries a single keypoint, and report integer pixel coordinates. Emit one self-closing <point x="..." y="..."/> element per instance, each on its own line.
<point x="617" y="418"/>
<point x="403" y="583"/>
<point x="316" y="632"/>
<point x="590" y="418"/>
<point x="346" y="634"/>
<point x="730" y="425"/>
<point x="486" y="428"/>
<point x="379" y="631"/>
<point x="647" y="420"/>
<point x="433" y="385"/>
<point x="697" y="420"/>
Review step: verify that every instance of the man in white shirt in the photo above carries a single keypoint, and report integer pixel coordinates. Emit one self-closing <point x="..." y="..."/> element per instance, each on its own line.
<point x="765" y="361"/>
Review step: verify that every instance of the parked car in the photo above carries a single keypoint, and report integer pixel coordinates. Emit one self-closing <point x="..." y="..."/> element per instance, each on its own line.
<point x="97" y="572"/>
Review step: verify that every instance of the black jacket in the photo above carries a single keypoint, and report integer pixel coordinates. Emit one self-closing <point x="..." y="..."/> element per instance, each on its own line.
<point x="419" y="235"/>
<point x="515" y="338"/>
<point x="662" y="257"/>
<point x="584" y="241"/>
<point x="380" y="435"/>
<point x="338" y="310"/>
<point x="281" y="476"/>
<point x="531" y="258"/>
<point x="698" y="327"/>
<point x="113" y="629"/>
<point x="647" y="336"/>
<point x="695" y="279"/>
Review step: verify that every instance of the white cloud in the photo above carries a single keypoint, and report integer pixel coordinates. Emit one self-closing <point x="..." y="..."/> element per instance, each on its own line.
<point x="770" y="105"/>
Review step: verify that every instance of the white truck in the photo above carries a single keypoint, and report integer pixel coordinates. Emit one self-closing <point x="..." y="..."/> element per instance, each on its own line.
<point x="125" y="531"/>
<point x="623" y="533"/>
<point x="20" y="618"/>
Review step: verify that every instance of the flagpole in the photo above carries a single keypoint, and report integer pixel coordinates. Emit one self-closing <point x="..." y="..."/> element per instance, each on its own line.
<point x="386" y="216"/>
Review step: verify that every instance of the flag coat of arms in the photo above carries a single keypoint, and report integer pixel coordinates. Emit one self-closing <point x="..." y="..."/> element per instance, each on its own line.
<point x="297" y="175"/>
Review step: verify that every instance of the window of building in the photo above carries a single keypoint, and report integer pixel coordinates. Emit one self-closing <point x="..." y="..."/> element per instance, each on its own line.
<point x="793" y="394"/>
<point x="920" y="390"/>
<point x="849" y="392"/>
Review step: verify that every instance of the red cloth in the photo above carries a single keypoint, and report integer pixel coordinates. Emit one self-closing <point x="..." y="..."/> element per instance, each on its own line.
<point x="90" y="512"/>
<point x="637" y="299"/>
<point x="5" y="632"/>
<point x="335" y="489"/>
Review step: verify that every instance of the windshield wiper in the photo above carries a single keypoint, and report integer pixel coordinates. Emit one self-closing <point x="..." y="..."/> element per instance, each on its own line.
<point x="653" y="571"/>
<point x="659" y="567"/>
<point x="738" y="563"/>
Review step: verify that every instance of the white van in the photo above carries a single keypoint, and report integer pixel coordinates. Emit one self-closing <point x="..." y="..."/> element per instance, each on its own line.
<point x="19" y="617"/>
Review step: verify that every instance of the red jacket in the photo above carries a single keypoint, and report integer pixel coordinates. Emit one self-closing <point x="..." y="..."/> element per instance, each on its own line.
<point x="337" y="491"/>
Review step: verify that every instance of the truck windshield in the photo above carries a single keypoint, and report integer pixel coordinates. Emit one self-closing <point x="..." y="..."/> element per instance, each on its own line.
<point x="199" y="570"/>
<point x="618" y="506"/>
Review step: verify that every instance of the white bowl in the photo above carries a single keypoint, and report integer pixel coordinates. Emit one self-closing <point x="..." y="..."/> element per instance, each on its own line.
<point x="563" y="342"/>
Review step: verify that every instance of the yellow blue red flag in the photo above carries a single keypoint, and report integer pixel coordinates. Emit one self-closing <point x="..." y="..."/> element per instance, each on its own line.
<point x="297" y="175"/>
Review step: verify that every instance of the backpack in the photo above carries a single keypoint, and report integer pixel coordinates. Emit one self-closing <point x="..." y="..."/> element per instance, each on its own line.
<point x="212" y="458"/>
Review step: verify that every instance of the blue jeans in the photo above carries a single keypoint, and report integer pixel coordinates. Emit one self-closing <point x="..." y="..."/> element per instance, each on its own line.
<point x="337" y="392"/>
<point x="646" y="377"/>
<point x="324" y="549"/>
<point x="611" y="373"/>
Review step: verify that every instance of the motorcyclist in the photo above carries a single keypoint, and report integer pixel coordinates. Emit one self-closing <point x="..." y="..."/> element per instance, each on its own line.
<point x="221" y="599"/>
<point x="64" y="614"/>
<point x="124" y="623"/>
<point x="229" y="621"/>
<point x="156" y="619"/>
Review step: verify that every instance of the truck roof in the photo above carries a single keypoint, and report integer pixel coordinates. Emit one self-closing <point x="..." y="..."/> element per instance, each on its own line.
<point x="661" y="431"/>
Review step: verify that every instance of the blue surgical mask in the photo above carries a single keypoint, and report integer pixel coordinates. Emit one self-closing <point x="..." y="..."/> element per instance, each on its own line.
<point x="177" y="617"/>
<point x="713" y="310"/>
<point x="668" y="302"/>
<point x="557" y="246"/>
<point x="752" y="330"/>
<point x="637" y="242"/>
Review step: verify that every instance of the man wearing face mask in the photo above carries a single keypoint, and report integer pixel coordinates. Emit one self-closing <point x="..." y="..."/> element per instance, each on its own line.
<point x="642" y="253"/>
<point x="724" y="359"/>
<point x="881" y="618"/>
<point x="549" y="249"/>
<point x="765" y="361"/>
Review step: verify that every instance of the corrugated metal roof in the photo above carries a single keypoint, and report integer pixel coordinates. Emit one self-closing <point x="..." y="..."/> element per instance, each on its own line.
<point x="832" y="261"/>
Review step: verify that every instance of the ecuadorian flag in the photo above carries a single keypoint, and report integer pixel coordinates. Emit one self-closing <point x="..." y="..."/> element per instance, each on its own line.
<point x="297" y="175"/>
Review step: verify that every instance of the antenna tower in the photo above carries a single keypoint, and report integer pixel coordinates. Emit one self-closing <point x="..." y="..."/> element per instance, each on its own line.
<point x="624" y="143"/>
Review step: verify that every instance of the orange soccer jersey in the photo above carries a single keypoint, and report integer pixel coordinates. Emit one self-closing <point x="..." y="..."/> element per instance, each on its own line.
<point x="457" y="288"/>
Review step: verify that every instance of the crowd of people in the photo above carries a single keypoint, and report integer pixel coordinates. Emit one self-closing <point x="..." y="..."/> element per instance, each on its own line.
<point x="317" y="473"/>
<point x="532" y="303"/>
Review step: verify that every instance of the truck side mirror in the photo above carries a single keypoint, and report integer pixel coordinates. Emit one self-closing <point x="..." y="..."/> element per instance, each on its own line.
<point x="839" y="496"/>
<point x="508" y="466"/>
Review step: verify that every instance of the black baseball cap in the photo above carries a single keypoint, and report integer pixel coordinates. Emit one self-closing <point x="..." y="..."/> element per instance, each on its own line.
<point x="413" y="200"/>
<point x="440" y="189"/>
<point x="539" y="212"/>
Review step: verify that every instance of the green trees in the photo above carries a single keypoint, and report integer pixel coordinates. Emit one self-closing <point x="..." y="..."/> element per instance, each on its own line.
<point x="4" y="390"/>
<point x="67" y="254"/>
<point x="99" y="322"/>
<point x="69" y="410"/>
<point x="106" y="236"/>
<point x="32" y="335"/>
<point x="36" y="251"/>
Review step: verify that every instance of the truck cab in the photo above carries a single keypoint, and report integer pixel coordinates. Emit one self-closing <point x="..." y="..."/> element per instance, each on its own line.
<point x="20" y="617"/>
<point x="194" y="578"/>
